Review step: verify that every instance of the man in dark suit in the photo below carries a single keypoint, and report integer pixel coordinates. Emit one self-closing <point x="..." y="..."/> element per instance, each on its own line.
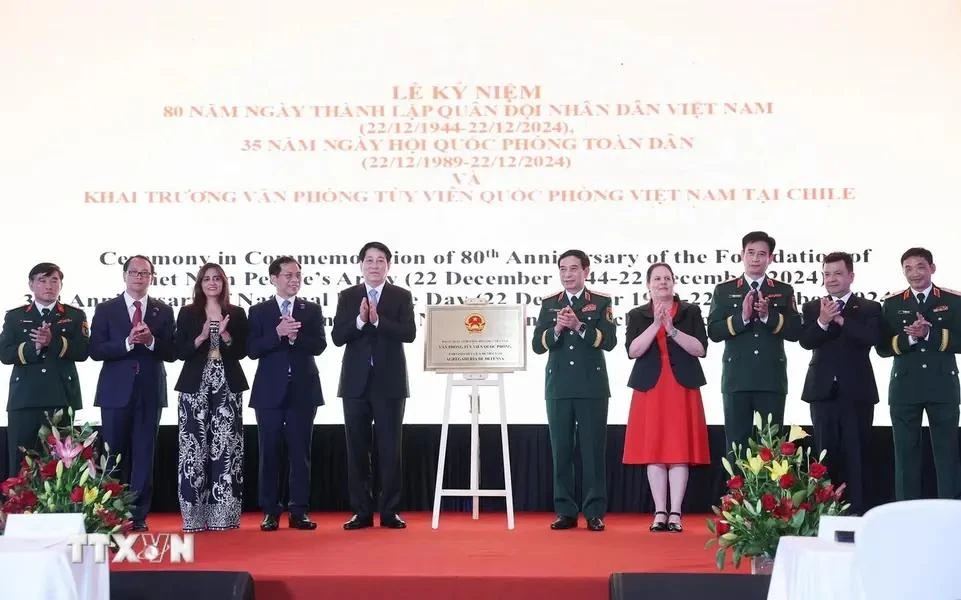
<point x="44" y="341"/>
<point x="753" y="315"/>
<point x="575" y="328"/>
<point x="133" y="335"/>
<point x="286" y="334"/>
<point x="923" y="334"/>
<point x="374" y="319"/>
<point x="842" y="328"/>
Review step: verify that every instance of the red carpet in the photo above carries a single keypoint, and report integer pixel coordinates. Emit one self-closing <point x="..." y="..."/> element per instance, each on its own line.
<point x="463" y="559"/>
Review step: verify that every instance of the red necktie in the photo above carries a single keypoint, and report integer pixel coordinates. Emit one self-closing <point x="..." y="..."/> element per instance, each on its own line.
<point x="137" y="313"/>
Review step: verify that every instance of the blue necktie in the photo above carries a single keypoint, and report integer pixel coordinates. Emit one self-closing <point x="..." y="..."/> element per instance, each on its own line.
<point x="285" y="311"/>
<point x="840" y="304"/>
<point x="373" y="300"/>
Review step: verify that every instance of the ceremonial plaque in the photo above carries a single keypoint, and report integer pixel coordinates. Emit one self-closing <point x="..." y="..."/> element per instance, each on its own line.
<point x="475" y="338"/>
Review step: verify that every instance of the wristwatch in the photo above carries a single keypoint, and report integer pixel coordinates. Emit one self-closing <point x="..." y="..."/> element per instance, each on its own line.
<point x="673" y="333"/>
<point x="582" y="329"/>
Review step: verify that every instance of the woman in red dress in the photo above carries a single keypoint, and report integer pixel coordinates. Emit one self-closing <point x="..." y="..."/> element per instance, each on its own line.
<point x="666" y="429"/>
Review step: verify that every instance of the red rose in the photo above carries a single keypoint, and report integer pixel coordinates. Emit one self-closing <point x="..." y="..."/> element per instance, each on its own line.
<point x="87" y="453"/>
<point x="818" y="470"/>
<point x="735" y="483"/>
<point x="28" y="499"/>
<point x="788" y="448"/>
<point x="765" y="454"/>
<point x="721" y="527"/>
<point x="786" y="481"/>
<point x="768" y="501"/>
<point x="10" y="484"/>
<point x="76" y="495"/>
<point x="49" y="470"/>
<point x="114" y="488"/>
<point x="805" y="506"/>
<point x="51" y="440"/>
<point x="784" y="509"/>
<point x="737" y="495"/>
<point x="824" y="494"/>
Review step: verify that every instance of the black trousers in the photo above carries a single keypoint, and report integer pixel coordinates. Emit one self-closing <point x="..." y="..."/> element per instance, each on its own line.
<point x="292" y="423"/>
<point x="739" y="409"/>
<point x="23" y="427"/>
<point x="842" y="427"/>
<point x="387" y="416"/>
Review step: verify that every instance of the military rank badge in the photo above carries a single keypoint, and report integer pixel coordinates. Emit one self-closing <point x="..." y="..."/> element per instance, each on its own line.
<point x="85" y="329"/>
<point x="609" y="314"/>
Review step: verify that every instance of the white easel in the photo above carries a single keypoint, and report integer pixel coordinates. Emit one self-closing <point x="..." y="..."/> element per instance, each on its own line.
<point x="475" y="381"/>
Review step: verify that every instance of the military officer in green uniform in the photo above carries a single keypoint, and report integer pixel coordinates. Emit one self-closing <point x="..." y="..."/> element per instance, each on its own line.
<point x="753" y="315"/>
<point x="43" y="341"/>
<point x="923" y="327"/>
<point x="575" y="327"/>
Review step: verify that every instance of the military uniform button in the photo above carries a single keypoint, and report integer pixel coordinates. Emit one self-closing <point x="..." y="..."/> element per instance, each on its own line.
<point x="572" y="362"/>
<point x="924" y="366"/>
<point x="43" y="370"/>
<point x="757" y="335"/>
<point x="922" y="349"/>
<point x="755" y="352"/>
<point x="571" y="347"/>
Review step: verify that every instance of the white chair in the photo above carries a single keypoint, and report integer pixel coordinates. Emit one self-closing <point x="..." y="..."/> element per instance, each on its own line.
<point x="908" y="549"/>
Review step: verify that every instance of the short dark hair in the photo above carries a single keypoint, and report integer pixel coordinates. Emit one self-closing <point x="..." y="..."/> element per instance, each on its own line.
<point x="127" y="262"/>
<point x="838" y="257"/>
<point x="651" y="268"/>
<point x="376" y="246"/>
<point x="46" y="269"/>
<point x="920" y="253"/>
<point x="758" y="236"/>
<point x="278" y="263"/>
<point x="578" y="254"/>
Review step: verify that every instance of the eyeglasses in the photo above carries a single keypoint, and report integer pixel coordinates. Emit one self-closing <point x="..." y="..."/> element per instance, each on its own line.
<point x="139" y="273"/>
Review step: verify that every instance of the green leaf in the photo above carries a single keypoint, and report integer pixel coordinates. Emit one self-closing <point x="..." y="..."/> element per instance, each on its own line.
<point x="799" y="497"/>
<point x="727" y="466"/>
<point x="798" y="518"/>
<point x="719" y="558"/>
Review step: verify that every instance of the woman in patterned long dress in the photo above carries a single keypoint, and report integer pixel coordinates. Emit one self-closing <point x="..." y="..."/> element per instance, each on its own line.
<point x="211" y="338"/>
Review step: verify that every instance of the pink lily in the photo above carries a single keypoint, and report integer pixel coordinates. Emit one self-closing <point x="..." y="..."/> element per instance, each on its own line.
<point x="66" y="451"/>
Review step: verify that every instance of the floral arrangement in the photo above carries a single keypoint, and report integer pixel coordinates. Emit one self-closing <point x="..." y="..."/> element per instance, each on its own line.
<point x="68" y="476"/>
<point x="778" y="490"/>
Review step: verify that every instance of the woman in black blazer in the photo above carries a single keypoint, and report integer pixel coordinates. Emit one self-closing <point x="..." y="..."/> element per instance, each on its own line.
<point x="666" y="429"/>
<point x="211" y="338"/>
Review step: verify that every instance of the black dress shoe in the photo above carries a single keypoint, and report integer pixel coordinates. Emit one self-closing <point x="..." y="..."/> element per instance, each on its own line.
<point x="301" y="522"/>
<point x="595" y="524"/>
<point x="562" y="522"/>
<point x="139" y="525"/>
<point x="358" y="522"/>
<point x="675" y="527"/>
<point x="269" y="523"/>
<point x="657" y="526"/>
<point x="392" y="521"/>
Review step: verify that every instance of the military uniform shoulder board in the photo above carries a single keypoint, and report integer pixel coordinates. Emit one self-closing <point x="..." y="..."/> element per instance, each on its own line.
<point x="602" y="295"/>
<point x="950" y="291"/>
<point x="893" y="294"/>
<point x="554" y="296"/>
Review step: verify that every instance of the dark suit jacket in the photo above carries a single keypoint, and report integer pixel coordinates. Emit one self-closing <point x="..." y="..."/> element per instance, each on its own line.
<point x="647" y="367"/>
<point x="842" y="354"/>
<point x="279" y="361"/>
<point x="385" y="342"/>
<point x="108" y="334"/>
<point x="189" y="321"/>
